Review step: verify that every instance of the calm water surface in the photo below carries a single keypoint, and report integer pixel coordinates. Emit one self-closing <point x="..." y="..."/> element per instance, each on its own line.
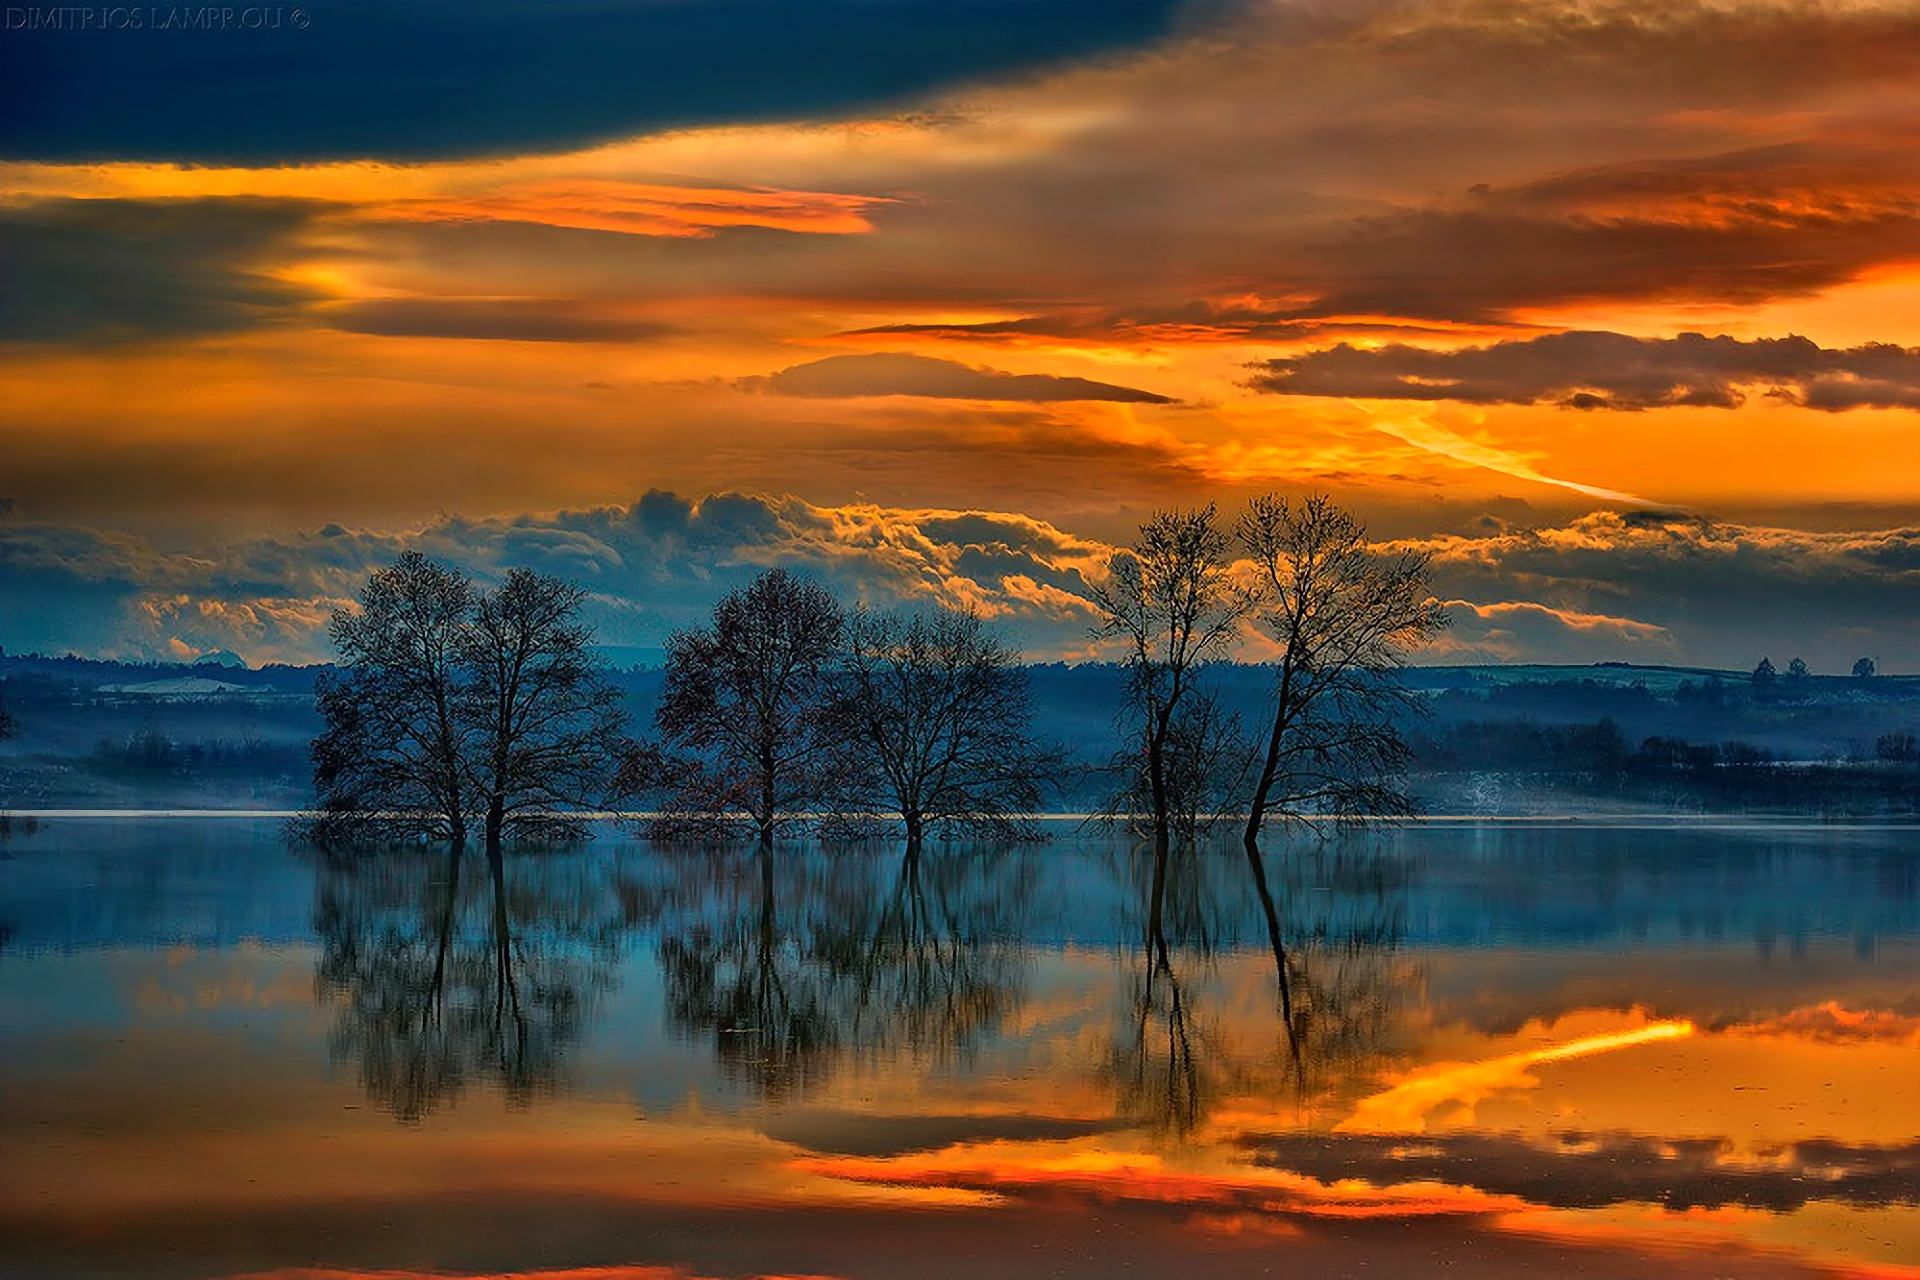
<point x="1522" y="1050"/>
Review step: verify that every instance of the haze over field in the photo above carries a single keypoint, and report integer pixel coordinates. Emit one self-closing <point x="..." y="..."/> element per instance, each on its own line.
<point x="1608" y="307"/>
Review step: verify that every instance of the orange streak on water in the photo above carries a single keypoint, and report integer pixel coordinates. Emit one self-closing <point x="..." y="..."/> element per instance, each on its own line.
<point x="1145" y="1178"/>
<point x="1404" y="1107"/>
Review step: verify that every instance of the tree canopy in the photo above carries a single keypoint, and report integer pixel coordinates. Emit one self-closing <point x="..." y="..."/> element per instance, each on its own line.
<point x="933" y="715"/>
<point x="1171" y="602"/>
<point x="1342" y="617"/>
<point x="745" y="696"/>
<point x="456" y="708"/>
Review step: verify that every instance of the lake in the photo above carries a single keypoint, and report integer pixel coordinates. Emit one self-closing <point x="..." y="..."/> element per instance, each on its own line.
<point x="1556" y="1048"/>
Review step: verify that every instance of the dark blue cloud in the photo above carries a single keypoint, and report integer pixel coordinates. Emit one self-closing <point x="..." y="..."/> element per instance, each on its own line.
<point x="1589" y="369"/>
<point x="411" y="79"/>
<point x="103" y="271"/>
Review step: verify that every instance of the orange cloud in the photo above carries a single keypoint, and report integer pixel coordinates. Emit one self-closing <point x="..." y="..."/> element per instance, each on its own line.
<point x="1139" y="1177"/>
<point x="643" y="209"/>
<point x="1832" y="1023"/>
<point x="1425" y="433"/>
<point x="1508" y="630"/>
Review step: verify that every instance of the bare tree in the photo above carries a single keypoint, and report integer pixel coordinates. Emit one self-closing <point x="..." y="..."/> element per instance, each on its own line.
<point x="933" y="714"/>
<point x="391" y="761"/>
<point x="544" y="722"/>
<point x="746" y="694"/>
<point x="1170" y="600"/>
<point x="1207" y="759"/>
<point x="1344" y="619"/>
<point x="454" y="707"/>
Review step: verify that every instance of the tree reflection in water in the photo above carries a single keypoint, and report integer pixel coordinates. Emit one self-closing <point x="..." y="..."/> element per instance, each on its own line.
<point x="442" y="973"/>
<point x="1341" y="911"/>
<point x="795" y="962"/>
<point x="1332" y="915"/>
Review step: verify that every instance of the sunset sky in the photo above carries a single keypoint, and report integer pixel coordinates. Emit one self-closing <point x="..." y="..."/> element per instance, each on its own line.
<point x="1611" y="308"/>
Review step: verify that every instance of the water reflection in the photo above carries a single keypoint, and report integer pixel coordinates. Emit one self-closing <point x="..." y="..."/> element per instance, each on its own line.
<point x="1332" y="915"/>
<point x="790" y="961"/>
<point x="1336" y="915"/>
<point x="440" y="972"/>
<point x="1636" y="1045"/>
<point x="1580" y="1170"/>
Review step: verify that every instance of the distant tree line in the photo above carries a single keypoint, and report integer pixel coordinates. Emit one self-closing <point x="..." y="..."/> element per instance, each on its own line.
<point x="1597" y="758"/>
<point x="1769" y="684"/>
<point x="151" y="750"/>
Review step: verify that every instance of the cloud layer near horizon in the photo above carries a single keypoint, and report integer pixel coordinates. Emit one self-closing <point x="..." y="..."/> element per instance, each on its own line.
<point x="1647" y="587"/>
<point x="1598" y="370"/>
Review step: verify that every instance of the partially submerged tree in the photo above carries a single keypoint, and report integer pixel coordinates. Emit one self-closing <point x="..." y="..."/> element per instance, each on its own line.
<point x="1207" y="758"/>
<point x="455" y="708"/>
<point x="1343" y="618"/>
<point x="933" y="718"/>
<point x="1170" y="601"/>
<point x="544" y="722"/>
<point x="391" y="761"/>
<point x="745" y="695"/>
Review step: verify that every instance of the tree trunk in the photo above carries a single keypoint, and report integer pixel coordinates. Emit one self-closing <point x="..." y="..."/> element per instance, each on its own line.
<point x="765" y="818"/>
<point x="1263" y="786"/>
<point x="1157" y="777"/>
<point x="1162" y="821"/>
<point x="496" y="826"/>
